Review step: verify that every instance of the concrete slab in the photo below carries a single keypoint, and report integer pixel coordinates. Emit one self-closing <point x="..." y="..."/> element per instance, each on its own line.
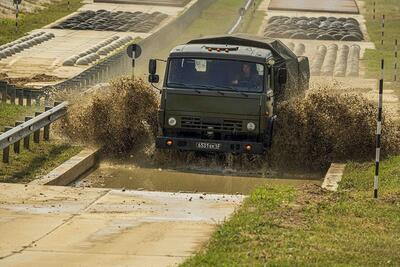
<point x="47" y="58"/>
<point x="333" y="6"/>
<point x="49" y="225"/>
<point x="147" y="2"/>
<point x="333" y="176"/>
<point x="70" y="170"/>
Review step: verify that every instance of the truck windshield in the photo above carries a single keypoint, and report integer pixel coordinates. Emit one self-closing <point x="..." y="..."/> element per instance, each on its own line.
<point x="215" y="74"/>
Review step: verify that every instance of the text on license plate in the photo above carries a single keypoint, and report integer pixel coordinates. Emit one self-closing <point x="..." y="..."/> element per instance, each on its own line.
<point x="206" y="145"/>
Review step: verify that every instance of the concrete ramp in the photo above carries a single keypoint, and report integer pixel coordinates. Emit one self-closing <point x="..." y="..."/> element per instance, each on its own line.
<point x="63" y="226"/>
<point x="335" y="6"/>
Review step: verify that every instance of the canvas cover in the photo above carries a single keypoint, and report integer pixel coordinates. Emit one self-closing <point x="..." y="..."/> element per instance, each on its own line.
<point x="298" y="70"/>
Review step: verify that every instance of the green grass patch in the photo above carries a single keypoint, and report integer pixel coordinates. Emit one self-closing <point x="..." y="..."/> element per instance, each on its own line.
<point x="306" y="226"/>
<point x="9" y="114"/>
<point x="38" y="19"/>
<point x="35" y="162"/>
<point x="391" y="10"/>
<point x="252" y="20"/>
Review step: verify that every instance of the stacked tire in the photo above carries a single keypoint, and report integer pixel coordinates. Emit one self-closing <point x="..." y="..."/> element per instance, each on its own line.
<point x="120" y="21"/>
<point x="314" y="28"/>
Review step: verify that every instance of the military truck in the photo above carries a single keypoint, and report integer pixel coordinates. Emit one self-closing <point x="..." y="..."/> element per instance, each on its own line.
<point x="219" y="92"/>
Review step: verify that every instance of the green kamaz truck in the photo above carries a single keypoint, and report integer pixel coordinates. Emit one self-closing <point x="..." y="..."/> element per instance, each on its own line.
<point x="219" y="93"/>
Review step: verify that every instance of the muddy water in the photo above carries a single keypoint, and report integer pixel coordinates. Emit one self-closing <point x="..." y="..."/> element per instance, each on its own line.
<point x="131" y="177"/>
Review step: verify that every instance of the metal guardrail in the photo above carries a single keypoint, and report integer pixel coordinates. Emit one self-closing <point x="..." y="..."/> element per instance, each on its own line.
<point x="32" y="125"/>
<point x="13" y="94"/>
<point x="242" y="13"/>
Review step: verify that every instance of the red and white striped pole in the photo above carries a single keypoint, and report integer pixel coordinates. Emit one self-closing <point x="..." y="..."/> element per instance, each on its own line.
<point x="383" y="30"/>
<point x="379" y="130"/>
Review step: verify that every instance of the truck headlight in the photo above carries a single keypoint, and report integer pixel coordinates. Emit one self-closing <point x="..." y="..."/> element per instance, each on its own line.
<point x="251" y="126"/>
<point x="172" y="121"/>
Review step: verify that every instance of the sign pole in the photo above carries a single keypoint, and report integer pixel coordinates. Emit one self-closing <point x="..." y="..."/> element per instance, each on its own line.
<point x="16" y="17"/>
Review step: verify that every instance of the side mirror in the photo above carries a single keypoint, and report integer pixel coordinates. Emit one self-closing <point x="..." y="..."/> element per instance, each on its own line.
<point x="154" y="78"/>
<point x="152" y="66"/>
<point x="282" y="76"/>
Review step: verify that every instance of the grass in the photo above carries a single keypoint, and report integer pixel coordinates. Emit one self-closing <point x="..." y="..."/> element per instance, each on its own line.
<point x="210" y="22"/>
<point x="252" y="20"/>
<point x="37" y="161"/>
<point x="40" y="159"/>
<point x="306" y="226"/>
<point x="391" y="10"/>
<point x="9" y="114"/>
<point x="32" y="21"/>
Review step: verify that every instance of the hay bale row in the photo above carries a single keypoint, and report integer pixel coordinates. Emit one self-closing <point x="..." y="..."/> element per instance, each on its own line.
<point x="341" y="62"/>
<point x="318" y="60"/>
<point x="94" y="53"/>
<point x="26" y="42"/>
<point x="330" y="60"/>
<point x="353" y="61"/>
<point x="333" y="61"/>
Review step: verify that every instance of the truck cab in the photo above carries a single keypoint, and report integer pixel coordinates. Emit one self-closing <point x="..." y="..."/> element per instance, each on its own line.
<point x="218" y="95"/>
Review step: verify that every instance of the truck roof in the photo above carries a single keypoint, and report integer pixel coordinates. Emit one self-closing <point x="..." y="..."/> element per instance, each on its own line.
<point x="220" y="50"/>
<point x="248" y="46"/>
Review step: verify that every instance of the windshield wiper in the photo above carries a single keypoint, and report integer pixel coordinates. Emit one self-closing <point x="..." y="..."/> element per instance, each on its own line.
<point x="191" y="86"/>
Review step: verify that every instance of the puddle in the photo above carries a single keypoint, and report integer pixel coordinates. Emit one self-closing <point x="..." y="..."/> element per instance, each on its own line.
<point x="152" y="179"/>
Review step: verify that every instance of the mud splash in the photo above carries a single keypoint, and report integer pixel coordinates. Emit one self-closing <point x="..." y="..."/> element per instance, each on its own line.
<point x="329" y="125"/>
<point x="326" y="125"/>
<point x="119" y="118"/>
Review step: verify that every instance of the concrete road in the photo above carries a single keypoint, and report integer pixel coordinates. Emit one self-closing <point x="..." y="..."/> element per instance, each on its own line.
<point x="63" y="226"/>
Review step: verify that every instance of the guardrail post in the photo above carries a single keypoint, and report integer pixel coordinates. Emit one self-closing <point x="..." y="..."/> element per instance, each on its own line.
<point x="27" y="138"/>
<point x="3" y="88"/>
<point x="12" y="94"/>
<point x="28" y="98"/>
<point x="17" y="144"/>
<point x="36" y="134"/>
<point x="46" y="129"/>
<point x="6" y="151"/>
<point x="37" y="100"/>
<point x="20" y="96"/>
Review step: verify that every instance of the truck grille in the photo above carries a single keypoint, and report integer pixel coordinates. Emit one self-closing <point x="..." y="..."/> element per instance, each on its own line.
<point x="222" y="125"/>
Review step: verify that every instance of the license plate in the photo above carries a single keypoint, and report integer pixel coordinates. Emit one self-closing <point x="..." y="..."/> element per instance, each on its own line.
<point x="208" y="146"/>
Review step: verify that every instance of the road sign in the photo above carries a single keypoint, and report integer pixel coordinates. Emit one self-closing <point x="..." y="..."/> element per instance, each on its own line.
<point x="134" y="51"/>
<point x="17" y="2"/>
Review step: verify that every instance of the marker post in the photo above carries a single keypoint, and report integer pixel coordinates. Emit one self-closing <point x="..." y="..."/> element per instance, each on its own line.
<point x="379" y="130"/>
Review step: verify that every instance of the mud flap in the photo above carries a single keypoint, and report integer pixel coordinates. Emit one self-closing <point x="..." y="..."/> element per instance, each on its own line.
<point x="269" y="132"/>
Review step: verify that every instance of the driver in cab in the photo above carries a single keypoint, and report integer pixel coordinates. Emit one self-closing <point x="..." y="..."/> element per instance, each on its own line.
<point x="248" y="78"/>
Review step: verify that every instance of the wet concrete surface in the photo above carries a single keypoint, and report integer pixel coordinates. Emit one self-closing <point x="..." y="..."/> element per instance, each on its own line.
<point x="64" y="226"/>
<point x="132" y="177"/>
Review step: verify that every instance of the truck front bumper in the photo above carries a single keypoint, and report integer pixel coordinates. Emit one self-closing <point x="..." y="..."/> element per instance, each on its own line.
<point x="209" y="145"/>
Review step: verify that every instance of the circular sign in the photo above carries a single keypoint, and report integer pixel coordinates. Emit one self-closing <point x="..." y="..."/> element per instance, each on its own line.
<point x="134" y="51"/>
